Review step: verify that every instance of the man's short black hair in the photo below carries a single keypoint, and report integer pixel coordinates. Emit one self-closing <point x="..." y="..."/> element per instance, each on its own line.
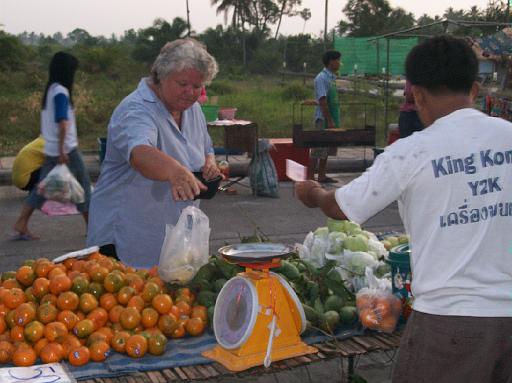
<point x="442" y="63"/>
<point x="329" y="56"/>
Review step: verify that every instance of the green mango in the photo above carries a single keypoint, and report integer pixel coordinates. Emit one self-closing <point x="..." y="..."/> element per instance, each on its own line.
<point x="311" y="315"/>
<point x="333" y="303"/>
<point x="348" y="315"/>
<point x="331" y="320"/>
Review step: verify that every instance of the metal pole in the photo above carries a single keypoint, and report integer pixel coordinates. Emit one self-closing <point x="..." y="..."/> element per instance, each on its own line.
<point x="325" y="25"/>
<point x="386" y="92"/>
<point x="188" y="20"/>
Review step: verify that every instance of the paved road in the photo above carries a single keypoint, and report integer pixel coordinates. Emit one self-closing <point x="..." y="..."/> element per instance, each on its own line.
<point x="282" y="219"/>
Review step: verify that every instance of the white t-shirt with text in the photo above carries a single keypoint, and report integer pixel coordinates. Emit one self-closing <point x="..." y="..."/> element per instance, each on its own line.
<point x="453" y="183"/>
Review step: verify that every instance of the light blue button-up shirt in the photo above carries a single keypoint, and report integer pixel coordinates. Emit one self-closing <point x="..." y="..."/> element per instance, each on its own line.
<point x="127" y="209"/>
<point x="323" y="81"/>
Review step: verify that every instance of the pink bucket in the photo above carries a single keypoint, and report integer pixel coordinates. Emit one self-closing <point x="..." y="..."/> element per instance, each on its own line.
<point x="227" y="113"/>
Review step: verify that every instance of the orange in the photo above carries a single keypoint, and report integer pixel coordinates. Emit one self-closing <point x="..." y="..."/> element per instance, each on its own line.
<point x="115" y="313"/>
<point x="68" y="300"/>
<point x="175" y="311"/>
<point x="98" y="273"/>
<point x="179" y="332"/>
<point x="149" y="317"/>
<point x="99" y="351"/>
<point x="99" y="317"/>
<point x="25" y="275"/>
<point x="3" y="325"/>
<point x="33" y="331"/>
<point x="368" y="318"/>
<point x="113" y="282"/>
<point x="70" y="342"/>
<point x="156" y="280"/>
<point x="48" y="298"/>
<point x="69" y="318"/>
<point x="43" y="268"/>
<point x="88" y="302"/>
<point x="11" y="283"/>
<point x="130" y="318"/>
<point x="56" y="270"/>
<point x="29" y="295"/>
<point x="52" y="353"/>
<point x="9" y="319"/>
<point x="200" y="312"/>
<point x="6" y="351"/>
<point x="96" y="289"/>
<point x="55" y="331"/>
<point x="107" y="301"/>
<point x="125" y="294"/>
<point x="382" y="307"/>
<point x="195" y="326"/>
<point x="106" y="262"/>
<point x="17" y="334"/>
<point x="364" y="301"/>
<point x="84" y="328"/>
<point x="78" y="356"/>
<point x="118" y="342"/>
<point x="96" y="337"/>
<point x="68" y="263"/>
<point x="107" y="331"/>
<point x="59" y="283"/>
<point x="14" y="297"/>
<point x="47" y="313"/>
<point x="156" y="344"/>
<point x="78" y="265"/>
<point x="162" y="303"/>
<point x="38" y="346"/>
<point x="40" y="287"/>
<point x="184" y="308"/>
<point x="24" y="355"/>
<point x="149" y="291"/>
<point x="136" y="346"/>
<point x="135" y="281"/>
<point x="137" y="302"/>
<point x="24" y="314"/>
<point x="3" y="310"/>
<point x="80" y="284"/>
<point x="167" y="324"/>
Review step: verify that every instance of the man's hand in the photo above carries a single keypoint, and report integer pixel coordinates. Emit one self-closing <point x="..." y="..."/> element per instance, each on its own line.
<point x="303" y="192"/>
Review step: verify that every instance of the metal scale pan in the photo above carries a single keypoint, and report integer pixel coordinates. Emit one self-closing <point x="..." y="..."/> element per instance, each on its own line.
<point x="253" y="253"/>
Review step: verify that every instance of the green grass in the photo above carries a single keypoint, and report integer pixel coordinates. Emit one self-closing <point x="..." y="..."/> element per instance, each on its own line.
<point x="265" y="100"/>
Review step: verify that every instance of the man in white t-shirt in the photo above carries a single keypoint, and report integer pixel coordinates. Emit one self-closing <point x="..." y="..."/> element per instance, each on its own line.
<point x="452" y="182"/>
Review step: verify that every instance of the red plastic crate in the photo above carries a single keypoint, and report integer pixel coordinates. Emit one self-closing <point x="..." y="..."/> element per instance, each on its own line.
<point x="284" y="149"/>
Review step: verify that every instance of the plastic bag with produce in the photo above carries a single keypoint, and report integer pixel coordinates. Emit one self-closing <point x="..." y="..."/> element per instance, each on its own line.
<point x="378" y="308"/>
<point x="186" y="246"/>
<point x="60" y="185"/>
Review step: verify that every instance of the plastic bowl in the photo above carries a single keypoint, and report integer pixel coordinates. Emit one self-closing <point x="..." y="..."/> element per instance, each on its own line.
<point x="227" y="113"/>
<point x="212" y="185"/>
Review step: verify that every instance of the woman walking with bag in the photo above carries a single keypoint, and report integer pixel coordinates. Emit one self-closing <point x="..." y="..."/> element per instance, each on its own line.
<point x="58" y="128"/>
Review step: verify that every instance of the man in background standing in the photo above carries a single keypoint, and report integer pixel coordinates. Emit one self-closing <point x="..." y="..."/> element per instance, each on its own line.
<point x="327" y="113"/>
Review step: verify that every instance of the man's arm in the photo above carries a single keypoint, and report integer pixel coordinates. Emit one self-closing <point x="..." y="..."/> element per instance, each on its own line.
<point x="325" y="111"/>
<point x="313" y="195"/>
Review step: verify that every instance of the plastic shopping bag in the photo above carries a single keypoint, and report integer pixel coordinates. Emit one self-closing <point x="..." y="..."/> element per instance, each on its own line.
<point x="186" y="246"/>
<point x="263" y="173"/>
<point x="60" y="185"/>
<point x="378" y="308"/>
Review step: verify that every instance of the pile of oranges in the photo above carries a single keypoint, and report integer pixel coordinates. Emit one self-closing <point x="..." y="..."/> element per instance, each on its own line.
<point x="81" y="310"/>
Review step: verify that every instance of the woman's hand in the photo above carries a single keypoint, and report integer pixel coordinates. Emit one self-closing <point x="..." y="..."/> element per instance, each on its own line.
<point x="184" y="185"/>
<point x="63" y="158"/>
<point x="210" y="169"/>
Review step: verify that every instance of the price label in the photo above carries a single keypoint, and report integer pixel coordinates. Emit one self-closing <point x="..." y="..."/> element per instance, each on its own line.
<point x="295" y="171"/>
<point x="44" y="373"/>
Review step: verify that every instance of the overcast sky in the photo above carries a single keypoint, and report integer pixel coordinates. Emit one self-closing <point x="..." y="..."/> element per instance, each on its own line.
<point x="104" y="17"/>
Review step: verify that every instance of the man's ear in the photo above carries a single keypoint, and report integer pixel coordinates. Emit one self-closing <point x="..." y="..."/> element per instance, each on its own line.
<point x="419" y="95"/>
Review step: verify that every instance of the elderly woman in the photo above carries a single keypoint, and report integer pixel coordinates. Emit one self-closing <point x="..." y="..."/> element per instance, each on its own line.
<point x="156" y="138"/>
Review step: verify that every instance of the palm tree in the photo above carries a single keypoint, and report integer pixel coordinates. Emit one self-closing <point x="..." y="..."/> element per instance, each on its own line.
<point x="286" y="9"/>
<point x="226" y="5"/>
<point x="305" y="14"/>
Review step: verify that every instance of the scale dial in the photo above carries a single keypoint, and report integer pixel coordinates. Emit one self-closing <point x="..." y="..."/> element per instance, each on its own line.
<point x="236" y="311"/>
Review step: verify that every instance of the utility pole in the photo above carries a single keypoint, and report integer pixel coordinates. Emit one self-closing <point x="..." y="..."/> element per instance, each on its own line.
<point x="325" y="26"/>
<point x="188" y="19"/>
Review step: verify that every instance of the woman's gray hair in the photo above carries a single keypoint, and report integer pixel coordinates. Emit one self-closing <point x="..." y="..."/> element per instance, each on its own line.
<point x="183" y="54"/>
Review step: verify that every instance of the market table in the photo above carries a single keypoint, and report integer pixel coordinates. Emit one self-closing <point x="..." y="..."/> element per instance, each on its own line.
<point x="330" y="354"/>
<point x="238" y="134"/>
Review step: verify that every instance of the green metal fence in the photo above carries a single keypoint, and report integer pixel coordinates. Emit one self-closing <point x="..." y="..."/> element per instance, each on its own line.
<point x="370" y="57"/>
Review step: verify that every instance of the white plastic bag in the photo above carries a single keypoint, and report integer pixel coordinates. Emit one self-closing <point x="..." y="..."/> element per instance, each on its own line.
<point x="186" y="246"/>
<point x="60" y="185"/>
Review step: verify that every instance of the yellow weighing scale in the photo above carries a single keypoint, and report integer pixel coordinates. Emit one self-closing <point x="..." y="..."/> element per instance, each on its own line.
<point x="258" y="317"/>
